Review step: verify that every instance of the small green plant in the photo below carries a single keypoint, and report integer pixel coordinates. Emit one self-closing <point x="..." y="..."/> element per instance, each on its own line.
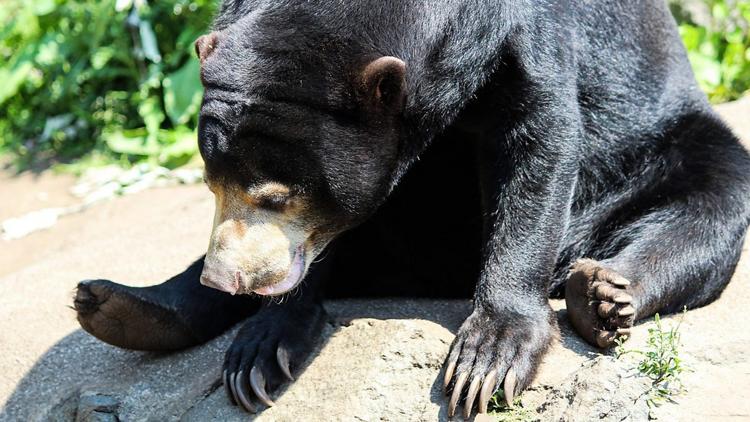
<point x="504" y="413"/>
<point x="660" y="361"/>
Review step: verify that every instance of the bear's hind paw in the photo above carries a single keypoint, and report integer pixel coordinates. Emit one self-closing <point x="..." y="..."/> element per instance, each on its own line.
<point x="599" y="305"/>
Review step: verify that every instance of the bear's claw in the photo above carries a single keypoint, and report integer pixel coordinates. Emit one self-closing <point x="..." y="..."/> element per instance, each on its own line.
<point x="266" y="348"/>
<point x="243" y="395"/>
<point x="491" y="347"/>
<point x="282" y="358"/>
<point x="258" y="384"/>
<point x="458" y="389"/>
<point x="488" y="389"/>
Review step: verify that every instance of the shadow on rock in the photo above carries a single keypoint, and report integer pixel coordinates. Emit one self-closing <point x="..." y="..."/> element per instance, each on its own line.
<point x="378" y="359"/>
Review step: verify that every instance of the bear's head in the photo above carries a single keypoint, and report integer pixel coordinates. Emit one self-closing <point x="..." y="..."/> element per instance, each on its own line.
<point x="301" y="135"/>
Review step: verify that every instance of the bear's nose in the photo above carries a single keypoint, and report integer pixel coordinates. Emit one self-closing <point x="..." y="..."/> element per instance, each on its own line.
<point x="224" y="281"/>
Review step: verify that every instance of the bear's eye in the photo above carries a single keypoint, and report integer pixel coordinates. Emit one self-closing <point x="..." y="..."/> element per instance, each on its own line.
<point x="273" y="202"/>
<point x="271" y="196"/>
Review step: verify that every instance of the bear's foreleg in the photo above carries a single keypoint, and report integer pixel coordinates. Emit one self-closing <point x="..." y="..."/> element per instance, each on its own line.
<point x="173" y="315"/>
<point x="275" y="343"/>
<point x="527" y="176"/>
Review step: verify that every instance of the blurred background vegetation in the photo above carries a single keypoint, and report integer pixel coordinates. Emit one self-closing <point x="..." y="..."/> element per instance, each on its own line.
<point x="716" y="34"/>
<point x="102" y="80"/>
<point x="89" y="82"/>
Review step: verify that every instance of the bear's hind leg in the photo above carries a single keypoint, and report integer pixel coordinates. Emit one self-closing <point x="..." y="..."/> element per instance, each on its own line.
<point x="671" y="258"/>
<point x="176" y="314"/>
<point x="674" y="241"/>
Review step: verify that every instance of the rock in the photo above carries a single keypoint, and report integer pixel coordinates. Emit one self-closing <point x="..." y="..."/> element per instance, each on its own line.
<point x="65" y="410"/>
<point x="95" y="177"/>
<point x="106" y="182"/>
<point x="188" y="176"/>
<point x="85" y="407"/>
<point x="95" y="407"/>
<point x="13" y="228"/>
<point x="603" y="389"/>
<point x="106" y="191"/>
<point x="384" y="362"/>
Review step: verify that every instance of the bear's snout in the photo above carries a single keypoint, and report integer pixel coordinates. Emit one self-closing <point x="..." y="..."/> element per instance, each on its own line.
<point x="254" y="249"/>
<point x="247" y="256"/>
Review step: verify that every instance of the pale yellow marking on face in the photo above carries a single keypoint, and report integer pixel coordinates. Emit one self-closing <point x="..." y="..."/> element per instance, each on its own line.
<point x="257" y="242"/>
<point x="269" y="189"/>
<point x="293" y="207"/>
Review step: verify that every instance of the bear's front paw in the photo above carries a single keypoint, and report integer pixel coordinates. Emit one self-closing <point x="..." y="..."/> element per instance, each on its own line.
<point x="268" y="349"/>
<point x="492" y="346"/>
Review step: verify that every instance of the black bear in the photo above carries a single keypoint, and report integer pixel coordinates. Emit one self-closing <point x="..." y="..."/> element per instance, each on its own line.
<point x="501" y="150"/>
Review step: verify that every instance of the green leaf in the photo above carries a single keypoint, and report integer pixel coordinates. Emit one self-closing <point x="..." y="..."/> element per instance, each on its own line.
<point x="692" y="36"/>
<point x="101" y="57"/>
<point x="13" y="79"/>
<point x="707" y="70"/>
<point x="182" y="92"/>
<point x="150" y="111"/>
<point x="43" y="7"/>
<point x="711" y="45"/>
<point x="49" y="53"/>
<point x="720" y="11"/>
<point x="182" y="146"/>
<point x="130" y="142"/>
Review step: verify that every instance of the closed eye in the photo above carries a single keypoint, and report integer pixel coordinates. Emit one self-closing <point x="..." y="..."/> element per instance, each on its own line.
<point x="271" y="196"/>
<point x="273" y="202"/>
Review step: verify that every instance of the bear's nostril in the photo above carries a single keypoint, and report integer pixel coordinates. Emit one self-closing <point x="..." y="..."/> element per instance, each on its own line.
<point x="206" y="281"/>
<point x="226" y="283"/>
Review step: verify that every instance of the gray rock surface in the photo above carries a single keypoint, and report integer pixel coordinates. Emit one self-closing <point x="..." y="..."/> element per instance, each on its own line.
<point x="602" y="389"/>
<point x="379" y="360"/>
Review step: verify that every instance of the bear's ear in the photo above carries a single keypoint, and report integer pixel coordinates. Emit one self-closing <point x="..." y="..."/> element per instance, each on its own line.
<point x="383" y="81"/>
<point x="205" y="45"/>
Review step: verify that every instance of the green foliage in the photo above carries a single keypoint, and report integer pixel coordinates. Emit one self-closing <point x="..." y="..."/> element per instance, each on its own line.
<point x="716" y="34"/>
<point x="660" y="361"/>
<point x="504" y="413"/>
<point x="118" y="77"/>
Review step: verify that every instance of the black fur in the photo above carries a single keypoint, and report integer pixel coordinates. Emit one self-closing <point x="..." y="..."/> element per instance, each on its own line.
<point x="533" y="133"/>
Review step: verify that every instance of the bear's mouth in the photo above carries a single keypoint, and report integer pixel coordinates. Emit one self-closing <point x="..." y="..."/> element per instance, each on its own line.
<point x="292" y="279"/>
